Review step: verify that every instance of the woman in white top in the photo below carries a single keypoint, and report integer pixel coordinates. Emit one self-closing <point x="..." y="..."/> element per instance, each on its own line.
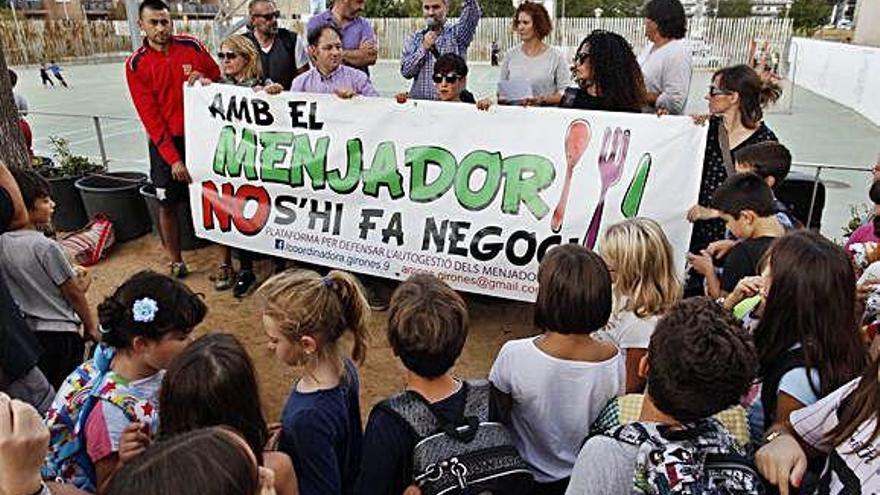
<point x="645" y="287"/>
<point x="666" y="60"/>
<point x="534" y="62"/>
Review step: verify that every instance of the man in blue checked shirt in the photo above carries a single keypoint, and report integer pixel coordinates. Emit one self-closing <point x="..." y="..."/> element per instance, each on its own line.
<point x="425" y="47"/>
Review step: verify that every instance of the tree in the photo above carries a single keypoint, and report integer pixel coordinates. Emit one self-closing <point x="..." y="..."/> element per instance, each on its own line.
<point x="610" y="8"/>
<point x="497" y="8"/>
<point x="734" y="8"/>
<point x="385" y="8"/>
<point x="808" y="15"/>
<point x="11" y="138"/>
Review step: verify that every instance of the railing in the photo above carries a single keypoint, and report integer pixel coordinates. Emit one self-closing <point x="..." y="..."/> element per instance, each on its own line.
<point x="28" y="5"/>
<point x="715" y="42"/>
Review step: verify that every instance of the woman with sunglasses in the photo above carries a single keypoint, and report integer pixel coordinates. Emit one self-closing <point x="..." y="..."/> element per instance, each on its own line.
<point x="737" y="98"/>
<point x="240" y="66"/>
<point x="534" y="63"/>
<point x="607" y="74"/>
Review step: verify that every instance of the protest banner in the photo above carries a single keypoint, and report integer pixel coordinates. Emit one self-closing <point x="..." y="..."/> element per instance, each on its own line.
<point x="477" y="198"/>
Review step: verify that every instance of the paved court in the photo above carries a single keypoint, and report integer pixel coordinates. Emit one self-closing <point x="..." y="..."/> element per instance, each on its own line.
<point x="816" y="130"/>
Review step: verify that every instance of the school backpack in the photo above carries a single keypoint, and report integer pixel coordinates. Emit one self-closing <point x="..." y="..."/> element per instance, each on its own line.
<point x="475" y="456"/>
<point x="67" y="460"/>
<point x="701" y="459"/>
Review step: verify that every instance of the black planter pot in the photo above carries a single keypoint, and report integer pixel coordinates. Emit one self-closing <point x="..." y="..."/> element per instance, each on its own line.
<point x="188" y="239"/>
<point x="117" y="196"/>
<point x="70" y="212"/>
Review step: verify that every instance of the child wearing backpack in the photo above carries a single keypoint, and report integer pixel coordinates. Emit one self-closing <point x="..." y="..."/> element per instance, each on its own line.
<point x="699" y="362"/>
<point x="745" y="203"/>
<point x="305" y="315"/>
<point x="427" y="329"/>
<point x="553" y="386"/>
<point x="144" y="325"/>
<point x="645" y="287"/>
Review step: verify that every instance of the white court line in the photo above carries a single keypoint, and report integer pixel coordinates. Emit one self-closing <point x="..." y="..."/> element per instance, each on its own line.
<point x="88" y="129"/>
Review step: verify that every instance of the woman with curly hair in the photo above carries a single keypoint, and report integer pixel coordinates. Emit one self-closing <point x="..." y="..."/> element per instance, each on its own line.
<point x="607" y="74"/>
<point x="666" y="59"/>
<point x="534" y="61"/>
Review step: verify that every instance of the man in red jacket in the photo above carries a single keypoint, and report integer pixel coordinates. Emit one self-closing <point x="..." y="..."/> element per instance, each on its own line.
<point x="156" y="73"/>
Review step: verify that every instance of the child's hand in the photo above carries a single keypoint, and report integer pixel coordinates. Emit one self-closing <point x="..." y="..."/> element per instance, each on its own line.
<point x="702" y="263"/>
<point x="782" y="462"/>
<point x="698" y="212"/>
<point x="719" y="249"/>
<point x="24" y="440"/>
<point x="745" y="288"/>
<point x="134" y="442"/>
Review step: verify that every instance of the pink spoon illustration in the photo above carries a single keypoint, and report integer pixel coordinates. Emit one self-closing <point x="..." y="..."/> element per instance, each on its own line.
<point x="611" y="163"/>
<point x="577" y="139"/>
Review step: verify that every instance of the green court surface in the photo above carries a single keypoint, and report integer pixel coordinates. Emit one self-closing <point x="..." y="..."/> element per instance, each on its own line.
<point x="816" y="130"/>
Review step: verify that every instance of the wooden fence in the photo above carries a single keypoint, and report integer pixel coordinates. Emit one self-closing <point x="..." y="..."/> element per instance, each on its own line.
<point x="714" y="42"/>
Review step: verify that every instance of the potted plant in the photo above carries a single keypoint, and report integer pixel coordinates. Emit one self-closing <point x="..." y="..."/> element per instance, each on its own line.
<point x="62" y="173"/>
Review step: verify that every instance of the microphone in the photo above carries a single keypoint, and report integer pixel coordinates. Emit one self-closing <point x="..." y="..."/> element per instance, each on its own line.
<point x="431" y="24"/>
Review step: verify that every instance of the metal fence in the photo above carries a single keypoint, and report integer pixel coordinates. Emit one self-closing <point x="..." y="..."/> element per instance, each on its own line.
<point x="714" y="42"/>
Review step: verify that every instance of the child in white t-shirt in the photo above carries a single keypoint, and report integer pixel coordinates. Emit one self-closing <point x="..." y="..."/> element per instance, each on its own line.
<point x="553" y="386"/>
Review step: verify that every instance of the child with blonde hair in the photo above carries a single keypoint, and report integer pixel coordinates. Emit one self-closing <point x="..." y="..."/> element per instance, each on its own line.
<point x="304" y="316"/>
<point x="644" y="284"/>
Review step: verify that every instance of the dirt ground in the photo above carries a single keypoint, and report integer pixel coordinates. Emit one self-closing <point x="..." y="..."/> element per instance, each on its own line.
<point x="493" y="321"/>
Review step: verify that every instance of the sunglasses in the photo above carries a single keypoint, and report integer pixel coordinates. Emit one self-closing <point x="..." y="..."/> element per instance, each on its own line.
<point x="716" y="91"/>
<point x="271" y="16"/>
<point x="450" y="78"/>
<point x="581" y="57"/>
<point x="227" y="55"/>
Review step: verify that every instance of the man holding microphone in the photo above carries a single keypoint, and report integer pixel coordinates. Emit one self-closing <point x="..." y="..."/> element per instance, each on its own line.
<point x="424" y="47"/>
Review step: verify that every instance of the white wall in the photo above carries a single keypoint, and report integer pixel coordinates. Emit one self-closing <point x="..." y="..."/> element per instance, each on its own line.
<point x="846" y="74"/>
<point x="867" y="23"/>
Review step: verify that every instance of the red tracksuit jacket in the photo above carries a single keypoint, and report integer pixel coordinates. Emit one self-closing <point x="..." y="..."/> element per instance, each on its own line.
<point x="155" y="81"/>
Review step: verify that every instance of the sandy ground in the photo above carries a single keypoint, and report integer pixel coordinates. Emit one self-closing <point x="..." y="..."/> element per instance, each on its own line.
<point x="493" y="321"/>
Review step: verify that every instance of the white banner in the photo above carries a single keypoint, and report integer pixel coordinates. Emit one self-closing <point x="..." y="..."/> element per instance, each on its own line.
<point x="373" y="186"/>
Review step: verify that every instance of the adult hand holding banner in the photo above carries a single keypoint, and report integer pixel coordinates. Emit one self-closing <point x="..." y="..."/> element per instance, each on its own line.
<point x="374" y="186"/>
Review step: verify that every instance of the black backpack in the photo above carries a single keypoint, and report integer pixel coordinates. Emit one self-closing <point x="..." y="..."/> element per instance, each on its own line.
<point x="474" y="456"/>
<point x="700" y="459"/>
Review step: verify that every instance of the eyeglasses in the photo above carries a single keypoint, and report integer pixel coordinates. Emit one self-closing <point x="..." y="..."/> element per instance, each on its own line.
<point x="450" y="78"/>
<point x="581" y="57"/>
<point x="271" y="16"/>
<point x="716" y="91"/>
<point x="227" y="55"/>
